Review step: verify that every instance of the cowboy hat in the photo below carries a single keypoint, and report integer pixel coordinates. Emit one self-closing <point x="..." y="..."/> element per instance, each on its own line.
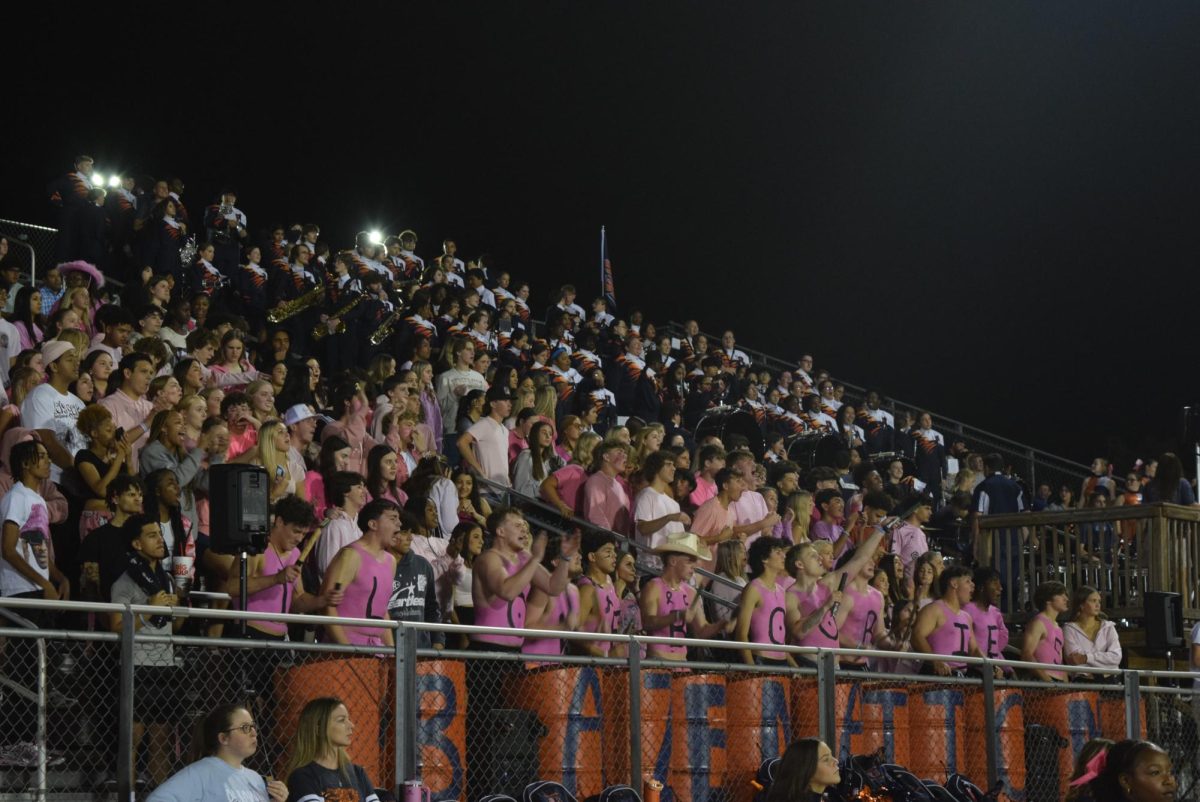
<point x="685" y="543"/>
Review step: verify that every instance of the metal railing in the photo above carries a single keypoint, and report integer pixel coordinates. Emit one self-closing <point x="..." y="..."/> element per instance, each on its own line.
<point x="38" y="241"/>
<point x="1122" y="552"/>
<point x="1033" y="464"/>
<point x="469" y="723"/>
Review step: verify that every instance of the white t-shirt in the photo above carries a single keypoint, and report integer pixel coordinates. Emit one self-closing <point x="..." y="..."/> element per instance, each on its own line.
<point x="47" y="408"/>
<point x="28" y="511"/>
<point x="491" y="447"/>
<point x="10" y="346"/>
<point x="1195" y="640"/>
<point x="448" y="401"/>
<point x="651" y="505"/>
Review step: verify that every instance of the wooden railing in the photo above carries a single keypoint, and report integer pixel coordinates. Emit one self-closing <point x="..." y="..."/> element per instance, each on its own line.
<point x="1121" y="551"/>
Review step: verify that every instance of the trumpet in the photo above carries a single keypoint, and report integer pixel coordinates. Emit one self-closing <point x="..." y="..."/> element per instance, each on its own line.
<point x="320" y="330"/>
<point x="294" y="307"/>
<point x="385" y="328"/>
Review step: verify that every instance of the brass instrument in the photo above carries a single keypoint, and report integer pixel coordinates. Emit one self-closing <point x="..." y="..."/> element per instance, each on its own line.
<point x="320" y="330"/>
<point x="289" y="309"/>
<point x="385" y="328"/>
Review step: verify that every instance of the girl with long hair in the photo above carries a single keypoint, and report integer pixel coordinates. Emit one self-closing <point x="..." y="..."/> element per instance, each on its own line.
<point x="431" y="480"/>
<point x="471" y="505"/>
<point x="271" y="453"/>
<point x="228" y="737"/>
<point x="319" y="767"/>
<point x="333" y="458"/>
<point x="26" y="312"/>
<point x="382" y="462"/>
<point x="99" y="365"/>
<point x="534" y="464"/>
<point x="231" y="370"/>
<point x="800" y="505"/>
<point x="807" y="768"/>
<point x="431" y="414"/>
<point x="925" y="575"/>
<point x="165" y="449"/>
<point x="563" y="487"/>
<point x="190" y="375"/>
<point x="1089" y="638"/>
<point x="161" y="503"/>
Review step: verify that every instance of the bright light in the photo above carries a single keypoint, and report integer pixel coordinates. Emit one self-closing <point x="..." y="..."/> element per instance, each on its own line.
<point x="114" y="181"/>
<point x="97" y="179"/>
<point x="375" y="236"/>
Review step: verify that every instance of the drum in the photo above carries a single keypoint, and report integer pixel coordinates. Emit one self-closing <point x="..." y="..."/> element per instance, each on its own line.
<point x="814" y="450"/>
<point x="724" y="421"/>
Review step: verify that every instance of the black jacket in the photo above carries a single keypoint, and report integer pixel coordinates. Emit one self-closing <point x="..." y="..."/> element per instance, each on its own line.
<point x="414" y="597"/>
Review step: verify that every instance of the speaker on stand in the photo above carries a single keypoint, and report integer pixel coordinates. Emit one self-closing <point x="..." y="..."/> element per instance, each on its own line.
<point x="1189" y="431"/>
<point x="240" y="516"/>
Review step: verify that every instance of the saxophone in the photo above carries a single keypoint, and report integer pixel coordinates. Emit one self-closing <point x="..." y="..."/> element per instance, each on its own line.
<point x="294" y="307"/>
<point x="320" y="330"/>
<point x="385" y="328"/>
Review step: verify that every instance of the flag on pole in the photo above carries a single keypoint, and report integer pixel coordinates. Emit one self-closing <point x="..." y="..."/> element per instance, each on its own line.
<point x="606" y="274"/>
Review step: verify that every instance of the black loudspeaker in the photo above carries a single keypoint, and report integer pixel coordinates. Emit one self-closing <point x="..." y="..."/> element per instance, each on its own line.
<point x="1164" y="621"/>
<point x="239" y="508"/>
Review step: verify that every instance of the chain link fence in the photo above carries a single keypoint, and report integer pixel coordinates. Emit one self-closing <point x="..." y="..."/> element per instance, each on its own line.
<point x="468" y="724"/>
<point x="30" y="246"/>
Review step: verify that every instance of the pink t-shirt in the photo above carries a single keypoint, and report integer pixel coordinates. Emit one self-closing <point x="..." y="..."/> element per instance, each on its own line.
<point x="606" y="503"/>
<point x="750" y="508"/>
<point x="705" y="489"/>
<point x="571" y="479"/>
<point x="491" y="448"/>
<point x="909" y="543"/>
<point x="127" y="413"/>
<point x="241" y="443"/>
<point x="709" y="520"/>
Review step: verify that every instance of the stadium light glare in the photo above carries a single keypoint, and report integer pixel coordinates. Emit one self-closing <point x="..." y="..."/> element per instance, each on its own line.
<point x="114" y="181"/>
<point x="375" y="236"/>
<point x="98" y="179"/>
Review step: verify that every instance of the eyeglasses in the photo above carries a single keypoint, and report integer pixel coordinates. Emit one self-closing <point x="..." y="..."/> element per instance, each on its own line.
<point x="245" y="728"/>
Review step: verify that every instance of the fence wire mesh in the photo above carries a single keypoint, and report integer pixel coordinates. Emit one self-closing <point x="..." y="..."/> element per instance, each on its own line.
<point x="1172" y="720"/>
<point x="482" y="724"/>
<point x="32" y="247"/>
<point x="79" y="726"/>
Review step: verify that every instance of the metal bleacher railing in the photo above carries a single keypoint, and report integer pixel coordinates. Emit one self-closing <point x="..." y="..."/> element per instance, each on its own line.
<point x="466" y="723"/>
<point x="1033" y="464"/>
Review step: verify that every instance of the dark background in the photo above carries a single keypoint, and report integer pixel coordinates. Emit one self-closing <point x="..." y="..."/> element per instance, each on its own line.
<point x="987" y="209"/>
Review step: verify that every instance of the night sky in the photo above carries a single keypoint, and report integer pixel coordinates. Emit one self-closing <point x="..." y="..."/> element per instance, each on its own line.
<point x="988" y="209"/>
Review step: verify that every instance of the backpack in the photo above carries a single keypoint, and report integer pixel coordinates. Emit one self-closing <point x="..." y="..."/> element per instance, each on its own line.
<point x="546" y="791"/>
<point x="764" y="779"/>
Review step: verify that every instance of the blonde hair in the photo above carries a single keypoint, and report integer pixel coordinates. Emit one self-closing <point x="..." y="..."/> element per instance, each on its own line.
<point x="545" y="402"/>
<point x="312" y="737"/>
<point x="78" y="339"/>
<point x="637" y="445"/>
<point x="585" y="447"/>
<point x="268" y="456"/>
<point x="800" y="503"/>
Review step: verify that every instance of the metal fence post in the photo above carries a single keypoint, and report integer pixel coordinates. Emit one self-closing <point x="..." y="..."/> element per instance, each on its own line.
<point x="125" y="786"/>
<point x="827" y="699"/>
<point x="635" y="715"/>
<point x="1133" y="705"/>
<point x="406" y="708"/>
<point x="41" y="718"/>
<point x="989" y="723"/>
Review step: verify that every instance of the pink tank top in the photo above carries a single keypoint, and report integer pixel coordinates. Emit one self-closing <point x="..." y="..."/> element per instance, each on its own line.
<point x="276" y="598"/>
<point x="858" y="630"/>
<point x="608" y="612"/>
<point x="501" y="613"/>
<point x="767" y="621"/>
<point x="990" y="632"/>
<point x="560" y="608"/>
<point x="825" y="634"/>
<point x="953" y="637"/>
<point x="367" y="596"/>
<point x="1050" y="648"/>
<point x="670" y="600"/>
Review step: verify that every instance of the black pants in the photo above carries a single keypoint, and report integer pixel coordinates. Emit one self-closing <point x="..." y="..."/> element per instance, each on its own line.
<point x="486" y="680"/>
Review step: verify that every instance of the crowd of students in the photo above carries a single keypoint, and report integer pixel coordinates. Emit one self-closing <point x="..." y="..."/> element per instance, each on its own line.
<point x="391" y="399"/>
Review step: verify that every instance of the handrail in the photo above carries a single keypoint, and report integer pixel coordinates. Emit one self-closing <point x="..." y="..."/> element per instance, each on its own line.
<point x="146" y="609"/>
<point x="1101" y="515"/>
<point x="586" y="524"/>
<point x="777" y="363"/>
